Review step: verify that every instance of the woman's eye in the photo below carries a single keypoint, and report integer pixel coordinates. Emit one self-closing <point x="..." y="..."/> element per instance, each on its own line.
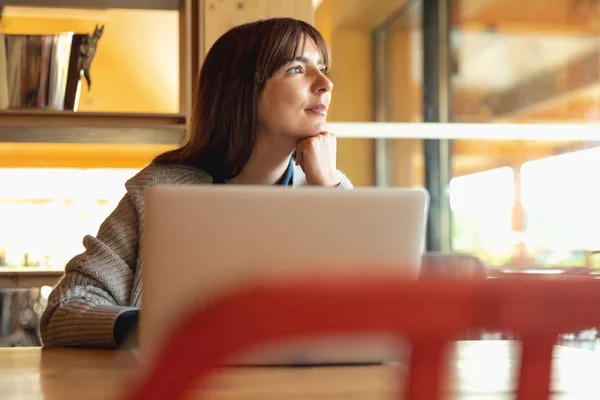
<point x="295" y="70"/>
<point x="324" y="70"/>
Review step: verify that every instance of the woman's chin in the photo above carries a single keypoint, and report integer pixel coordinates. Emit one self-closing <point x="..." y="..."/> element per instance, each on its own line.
<point x="310" y="132"/>
<point x="318" y="128"/>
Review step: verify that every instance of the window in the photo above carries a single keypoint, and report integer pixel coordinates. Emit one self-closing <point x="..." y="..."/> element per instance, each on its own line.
<point x="523" y="62"/>
<point x="45" y="213"/>
<point x="482" y="205"/>
<point x="562" y="208"/>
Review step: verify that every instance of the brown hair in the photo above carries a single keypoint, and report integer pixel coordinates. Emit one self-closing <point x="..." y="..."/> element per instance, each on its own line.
<point x="234" y="73"/>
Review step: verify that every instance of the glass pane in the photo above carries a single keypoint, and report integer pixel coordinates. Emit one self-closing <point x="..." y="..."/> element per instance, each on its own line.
<point x="481" y="206"/>
<point x="561" y="207"/>
<point x="520" y="61"/>
<point x="403" y="92"/>
<point x="542" y="215"/>
<point x="517" y="62"/>
<point x="135" y="67"/>
<point x="403" y="66"/>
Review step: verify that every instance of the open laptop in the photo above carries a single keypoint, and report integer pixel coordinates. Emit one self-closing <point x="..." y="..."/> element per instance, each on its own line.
<point x="202" y="241"/>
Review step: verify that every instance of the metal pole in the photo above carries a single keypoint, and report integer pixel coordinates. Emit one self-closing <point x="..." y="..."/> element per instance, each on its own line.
<point x="436" y="108"/>
<point x="382" y="157"/>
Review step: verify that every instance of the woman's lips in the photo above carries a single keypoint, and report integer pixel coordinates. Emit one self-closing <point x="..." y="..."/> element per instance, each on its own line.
<point x="320" y="109"/>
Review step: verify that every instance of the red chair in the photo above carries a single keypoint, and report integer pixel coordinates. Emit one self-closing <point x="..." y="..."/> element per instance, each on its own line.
<point x="453" y="266"/>
<point x="428" y="313"/>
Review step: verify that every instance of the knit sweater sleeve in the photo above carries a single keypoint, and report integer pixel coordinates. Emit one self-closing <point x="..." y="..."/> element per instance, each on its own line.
<point x="97" y="285"/>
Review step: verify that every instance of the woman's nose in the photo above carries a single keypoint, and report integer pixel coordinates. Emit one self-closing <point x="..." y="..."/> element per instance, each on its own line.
<point x="323" y="83"/>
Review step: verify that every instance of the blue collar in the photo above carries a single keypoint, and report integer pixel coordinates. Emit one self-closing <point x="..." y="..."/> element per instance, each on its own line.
<point x="286" y="179"/>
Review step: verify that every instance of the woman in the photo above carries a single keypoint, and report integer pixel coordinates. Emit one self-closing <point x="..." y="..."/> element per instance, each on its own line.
<point x="262" y="95"/>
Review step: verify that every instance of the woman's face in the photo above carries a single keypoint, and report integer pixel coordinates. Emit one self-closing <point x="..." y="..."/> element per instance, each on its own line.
<point x="296" y="98"/>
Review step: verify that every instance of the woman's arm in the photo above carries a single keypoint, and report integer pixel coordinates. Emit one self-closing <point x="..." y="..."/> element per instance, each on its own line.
<point x="96" y="288"/>
<point x="316" y="156"/>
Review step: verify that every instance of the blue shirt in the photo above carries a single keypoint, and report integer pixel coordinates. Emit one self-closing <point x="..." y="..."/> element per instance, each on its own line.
<point x="286" y="179"/>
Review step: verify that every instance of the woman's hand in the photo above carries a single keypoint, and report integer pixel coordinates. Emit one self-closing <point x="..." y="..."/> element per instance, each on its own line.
<point x="316" y="156"/>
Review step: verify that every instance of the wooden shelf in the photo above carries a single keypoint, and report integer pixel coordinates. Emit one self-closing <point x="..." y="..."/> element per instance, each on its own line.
<point x="45" y="117"/>
<point x="40" y="126"/>
<point x="46" y="127"/>
<point x="129" y="4"/>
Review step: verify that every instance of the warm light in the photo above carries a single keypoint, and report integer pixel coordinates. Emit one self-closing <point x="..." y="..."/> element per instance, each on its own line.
<point x="45" y="213"/>
<point x="482" y="204"/>
<point x="561" y="202"/>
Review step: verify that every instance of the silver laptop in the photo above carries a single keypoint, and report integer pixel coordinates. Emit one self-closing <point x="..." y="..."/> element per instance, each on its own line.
<point x="203" y="241"/>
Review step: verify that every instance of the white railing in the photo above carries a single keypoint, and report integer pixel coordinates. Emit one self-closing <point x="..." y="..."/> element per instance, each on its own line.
<point x="481" y="131"/>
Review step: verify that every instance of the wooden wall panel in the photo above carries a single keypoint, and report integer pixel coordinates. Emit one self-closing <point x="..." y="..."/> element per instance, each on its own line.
<point x="352" y="96"/>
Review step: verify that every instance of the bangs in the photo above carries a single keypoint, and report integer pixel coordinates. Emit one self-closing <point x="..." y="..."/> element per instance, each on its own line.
<point x="282" y="43"/>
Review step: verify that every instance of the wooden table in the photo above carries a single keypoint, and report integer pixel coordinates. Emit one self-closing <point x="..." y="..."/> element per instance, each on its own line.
<point x="29" y="277"/>
<point x="480" y="370"/>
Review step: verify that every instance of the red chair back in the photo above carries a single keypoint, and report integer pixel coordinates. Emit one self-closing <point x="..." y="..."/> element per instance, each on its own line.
<point x="430" y="314"/>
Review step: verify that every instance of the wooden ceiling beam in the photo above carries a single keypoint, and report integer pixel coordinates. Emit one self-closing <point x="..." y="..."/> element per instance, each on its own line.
<point x="572" y="17"/>
<point x="529" y="12"/>
<point x="548" y="88"/>
<point x="506" y="148"/>
<point x="579" y="108"/>
<point x="577" y="74"/>
<point x="540" y="28"/>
